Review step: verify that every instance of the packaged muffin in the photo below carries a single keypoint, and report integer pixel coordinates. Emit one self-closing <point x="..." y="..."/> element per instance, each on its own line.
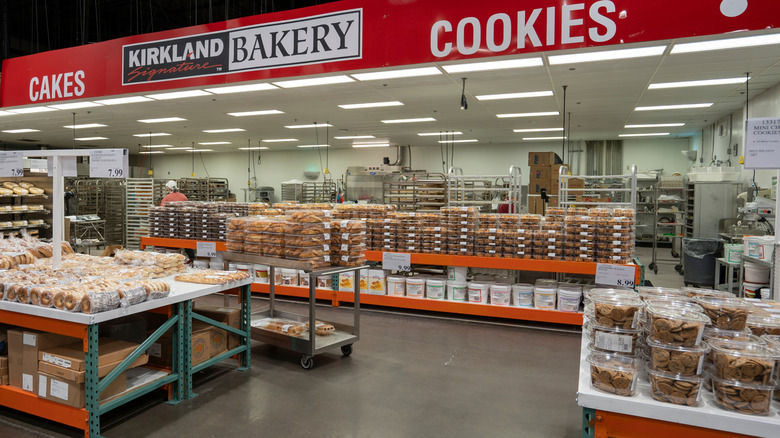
<point x="673" y="388"/>
<point x="743" y="397"/>
<point x="686" y="361"/>
<point x="743" y="361"/>
<point x="613" y="374"/>
<point x="676" y="326"/>
<point x="725" y="313"/>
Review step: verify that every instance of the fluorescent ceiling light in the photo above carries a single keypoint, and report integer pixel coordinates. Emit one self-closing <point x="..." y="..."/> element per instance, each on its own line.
<point x="217" y="131"/>
<point x="152" y="134"/>
<point x="730" y="43"/>
<point x="538" y="130"/>
<point x="201" y="150"/>
<point x="313" y="145"/>
<point x="123" y="100"/>
<point x="396" y="74"/>
<point x="371" y="145"/>
<point x="328" y="80"/>
<point x="178" y="95"/>
<point x="253" y="148"/>
<point x="32" y="110"/>
<point x="315" y="125"/>
<point x="90" y="138"/>
<point x="74" y="105"/>
<point x="354" y="137"/>
<point x="656" y="125"/>
<point x="542" y="138"/>
<point x="371" y="105"/>
<point x="673" y="107"/>
<point x="85" y="126"/>
<point x="241" y="88"/>
<point x="433" y="134"/>
<point x="21" y="131"/>
<point x="607" y="55"/>
<point x="279" y="140"/>
<point x="151" y="152"/>
<point x="157" y="146"/>
<point x="418" y="120"/>
<point x="652" y="134"/>
<point x="178" y="149"/>
<point x="209" y="143"/>
<point x="473" y="140"/>
<point x="702" y="83"/>
<point x="539" y="114"/>
<point x="255" y="113"/>
<point x="515" y="95"/>
<point x="493" y="65"/>
<point x="162" y="120"/>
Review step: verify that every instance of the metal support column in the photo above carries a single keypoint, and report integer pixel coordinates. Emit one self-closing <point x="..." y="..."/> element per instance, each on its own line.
<point x="177" y="395"/>
<point x="246" y="326"/>
<point x="356" y="322"/>
<point x="588" y="423"/>
<point x="92" y="402"/>
<point x="186" y="343"/>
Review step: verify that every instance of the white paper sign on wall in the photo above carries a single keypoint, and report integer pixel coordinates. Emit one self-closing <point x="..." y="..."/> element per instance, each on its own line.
<point x="108" y="163"/>
<point x="615" y="275"/>
<point x="11" y="164"/>
<point x="762" y="143"/>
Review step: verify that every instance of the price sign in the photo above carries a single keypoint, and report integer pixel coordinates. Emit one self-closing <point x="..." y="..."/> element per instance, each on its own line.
<point x="762" y="144"/>
<point x="108" y="163"/>
<point x="397" y="261"/>
<point x="68" y="166"/>
<point x="615" y="275"/>
<point x="12" y="164"/>
<point x="206" y="249"/>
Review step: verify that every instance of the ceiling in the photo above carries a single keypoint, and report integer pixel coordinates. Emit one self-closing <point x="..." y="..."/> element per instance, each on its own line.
<point x="601" y="97"/>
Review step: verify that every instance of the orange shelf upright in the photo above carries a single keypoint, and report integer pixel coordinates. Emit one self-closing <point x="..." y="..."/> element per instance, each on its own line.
<point x="177" y="243"/>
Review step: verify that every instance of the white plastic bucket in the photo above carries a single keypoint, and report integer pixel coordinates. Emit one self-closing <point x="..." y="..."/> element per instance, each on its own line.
<point x="303" y="278"/>
<point x="435" y="289"/>
<point x="756" y="274"/>
<point x="544" y="297"/>
<point x="289" y="277"/>
<point x="261" y="274"/>
<point x="523" y="295"/>
<point x="733" y="252"/>
<point x="456" y="274"/>
<point x="751" y="289"/>
<point x="478" y="293"/>
<point x="569" y="299"/>
<point x="457" y="291"/>
<point x="244" y="268"/>
<point x="500" y="294"/>
<point x="396" y="285"/>
<point x="415" y="287"/>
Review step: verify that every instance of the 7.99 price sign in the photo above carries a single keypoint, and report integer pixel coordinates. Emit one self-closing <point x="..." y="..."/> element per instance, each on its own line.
<point x="108" y="163"/>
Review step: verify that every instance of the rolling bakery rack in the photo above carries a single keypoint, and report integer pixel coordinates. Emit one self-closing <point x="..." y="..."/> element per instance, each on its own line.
<point x="178" y="308"/>
<point x="309" y="344"/>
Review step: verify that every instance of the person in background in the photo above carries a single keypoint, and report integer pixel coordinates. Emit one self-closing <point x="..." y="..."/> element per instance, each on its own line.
<point x="173" y="193"/>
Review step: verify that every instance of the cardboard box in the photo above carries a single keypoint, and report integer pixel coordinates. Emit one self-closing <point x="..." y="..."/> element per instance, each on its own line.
<point x="541" y="158"/>
<point x="110" y="250"/>
<point x="3" y="361"/>
<point x="71" y="356"/>
<point x="576" y="183"/>
<point x="226" y="315"/>
<point x="161" y="352"/>
<point x="535" y="205"/>
<point x="217" y="337"/>
<point x="78" y="376"/>
<point x="70" y="393"/>
<point x="3" y="341"/>
<point x="23" y="348"/>
<point x="3" y="380"/>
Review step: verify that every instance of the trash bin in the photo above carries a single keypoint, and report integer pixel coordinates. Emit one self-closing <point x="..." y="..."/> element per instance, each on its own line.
<point x="699" y="260"/>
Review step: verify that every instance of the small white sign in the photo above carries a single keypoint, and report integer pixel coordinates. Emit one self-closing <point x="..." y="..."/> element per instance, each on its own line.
<point x="207" y="249"/>
<point x="68" y="167"/>
<point x="108" y="163"/>
<point x="38" y="165"/>
<point x="762" y="143"/>
<point x="615" y="275"/>
<point x="613" y="342"/>
<point x="397" y="261"/>
<point x="11" y="164"/>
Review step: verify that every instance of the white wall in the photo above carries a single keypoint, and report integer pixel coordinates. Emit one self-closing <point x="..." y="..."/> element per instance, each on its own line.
<point x="277" y="167"/>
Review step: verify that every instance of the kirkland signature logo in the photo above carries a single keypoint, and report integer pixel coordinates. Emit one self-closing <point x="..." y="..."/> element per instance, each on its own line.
<point x="319" y="39"/>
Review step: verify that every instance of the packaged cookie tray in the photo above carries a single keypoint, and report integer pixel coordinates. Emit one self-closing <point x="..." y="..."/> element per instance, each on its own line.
<point x="613" y="374"/>
<point x="742" y="397"/>
<point x="676" y="326"/>
<point x="686" y="361"/>
<point x="488" y="253"/>
<point x="617" y="260"/>
<point x="725" y="313"/>
<point x="617" y="311"/>
<point x="744" y="361"/>
<point x="307" y="228"/>
<point x="673" y="388"/>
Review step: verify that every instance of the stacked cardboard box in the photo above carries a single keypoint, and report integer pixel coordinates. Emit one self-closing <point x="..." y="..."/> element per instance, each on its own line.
<point x="23" y="349"/>
<point x="207" y="340"/>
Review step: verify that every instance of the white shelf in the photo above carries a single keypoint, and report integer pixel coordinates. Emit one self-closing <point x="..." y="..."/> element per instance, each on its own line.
<point x="707" y="415"/>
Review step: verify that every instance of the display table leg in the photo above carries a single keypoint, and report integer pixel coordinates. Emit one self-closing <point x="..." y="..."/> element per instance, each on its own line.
<point x="179" y="339"/>
<point x="92" y="397"/>
<point x="187" y="344"/>
<point x="246" y="325"/>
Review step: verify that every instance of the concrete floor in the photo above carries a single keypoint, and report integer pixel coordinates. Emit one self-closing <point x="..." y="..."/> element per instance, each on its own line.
<point x="408" y="377"/>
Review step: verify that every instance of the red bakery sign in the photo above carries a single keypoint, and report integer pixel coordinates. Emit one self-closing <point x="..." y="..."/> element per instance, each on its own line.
<point x="354" y="35"/>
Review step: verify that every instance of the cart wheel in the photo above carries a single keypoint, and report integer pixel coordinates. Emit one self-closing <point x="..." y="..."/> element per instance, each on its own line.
<point x="307" y="362"/>
<point x="682" y="271"/>
<point x="346" y="350"/>
<point x="675" y="254"/>
<point x="678" y="268"/>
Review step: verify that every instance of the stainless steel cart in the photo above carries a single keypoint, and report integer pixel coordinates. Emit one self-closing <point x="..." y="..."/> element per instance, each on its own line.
<point x="343" y="337"/>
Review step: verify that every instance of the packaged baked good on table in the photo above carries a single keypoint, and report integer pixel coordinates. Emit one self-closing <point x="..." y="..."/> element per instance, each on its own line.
<point x="686" y="361"/>
<point x="624" y="212"/>
<point x="624" y="341"/>
<point x="763" y="325"/>
<point x="308" y="216"/>
<point x="613" y="374"/>
<point x="554" y="214"/>
<point x="679" y="389"/>
<point x="617" y="311"/>
<point x="676" y="326"/>
<point x="743" y="397"/>
<point x="725" y="313"/>
<point x="599" y="212"/>
<point x="509" y="221"/>
<point x="267" y="249"/>
<point x="751" y="362"/>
